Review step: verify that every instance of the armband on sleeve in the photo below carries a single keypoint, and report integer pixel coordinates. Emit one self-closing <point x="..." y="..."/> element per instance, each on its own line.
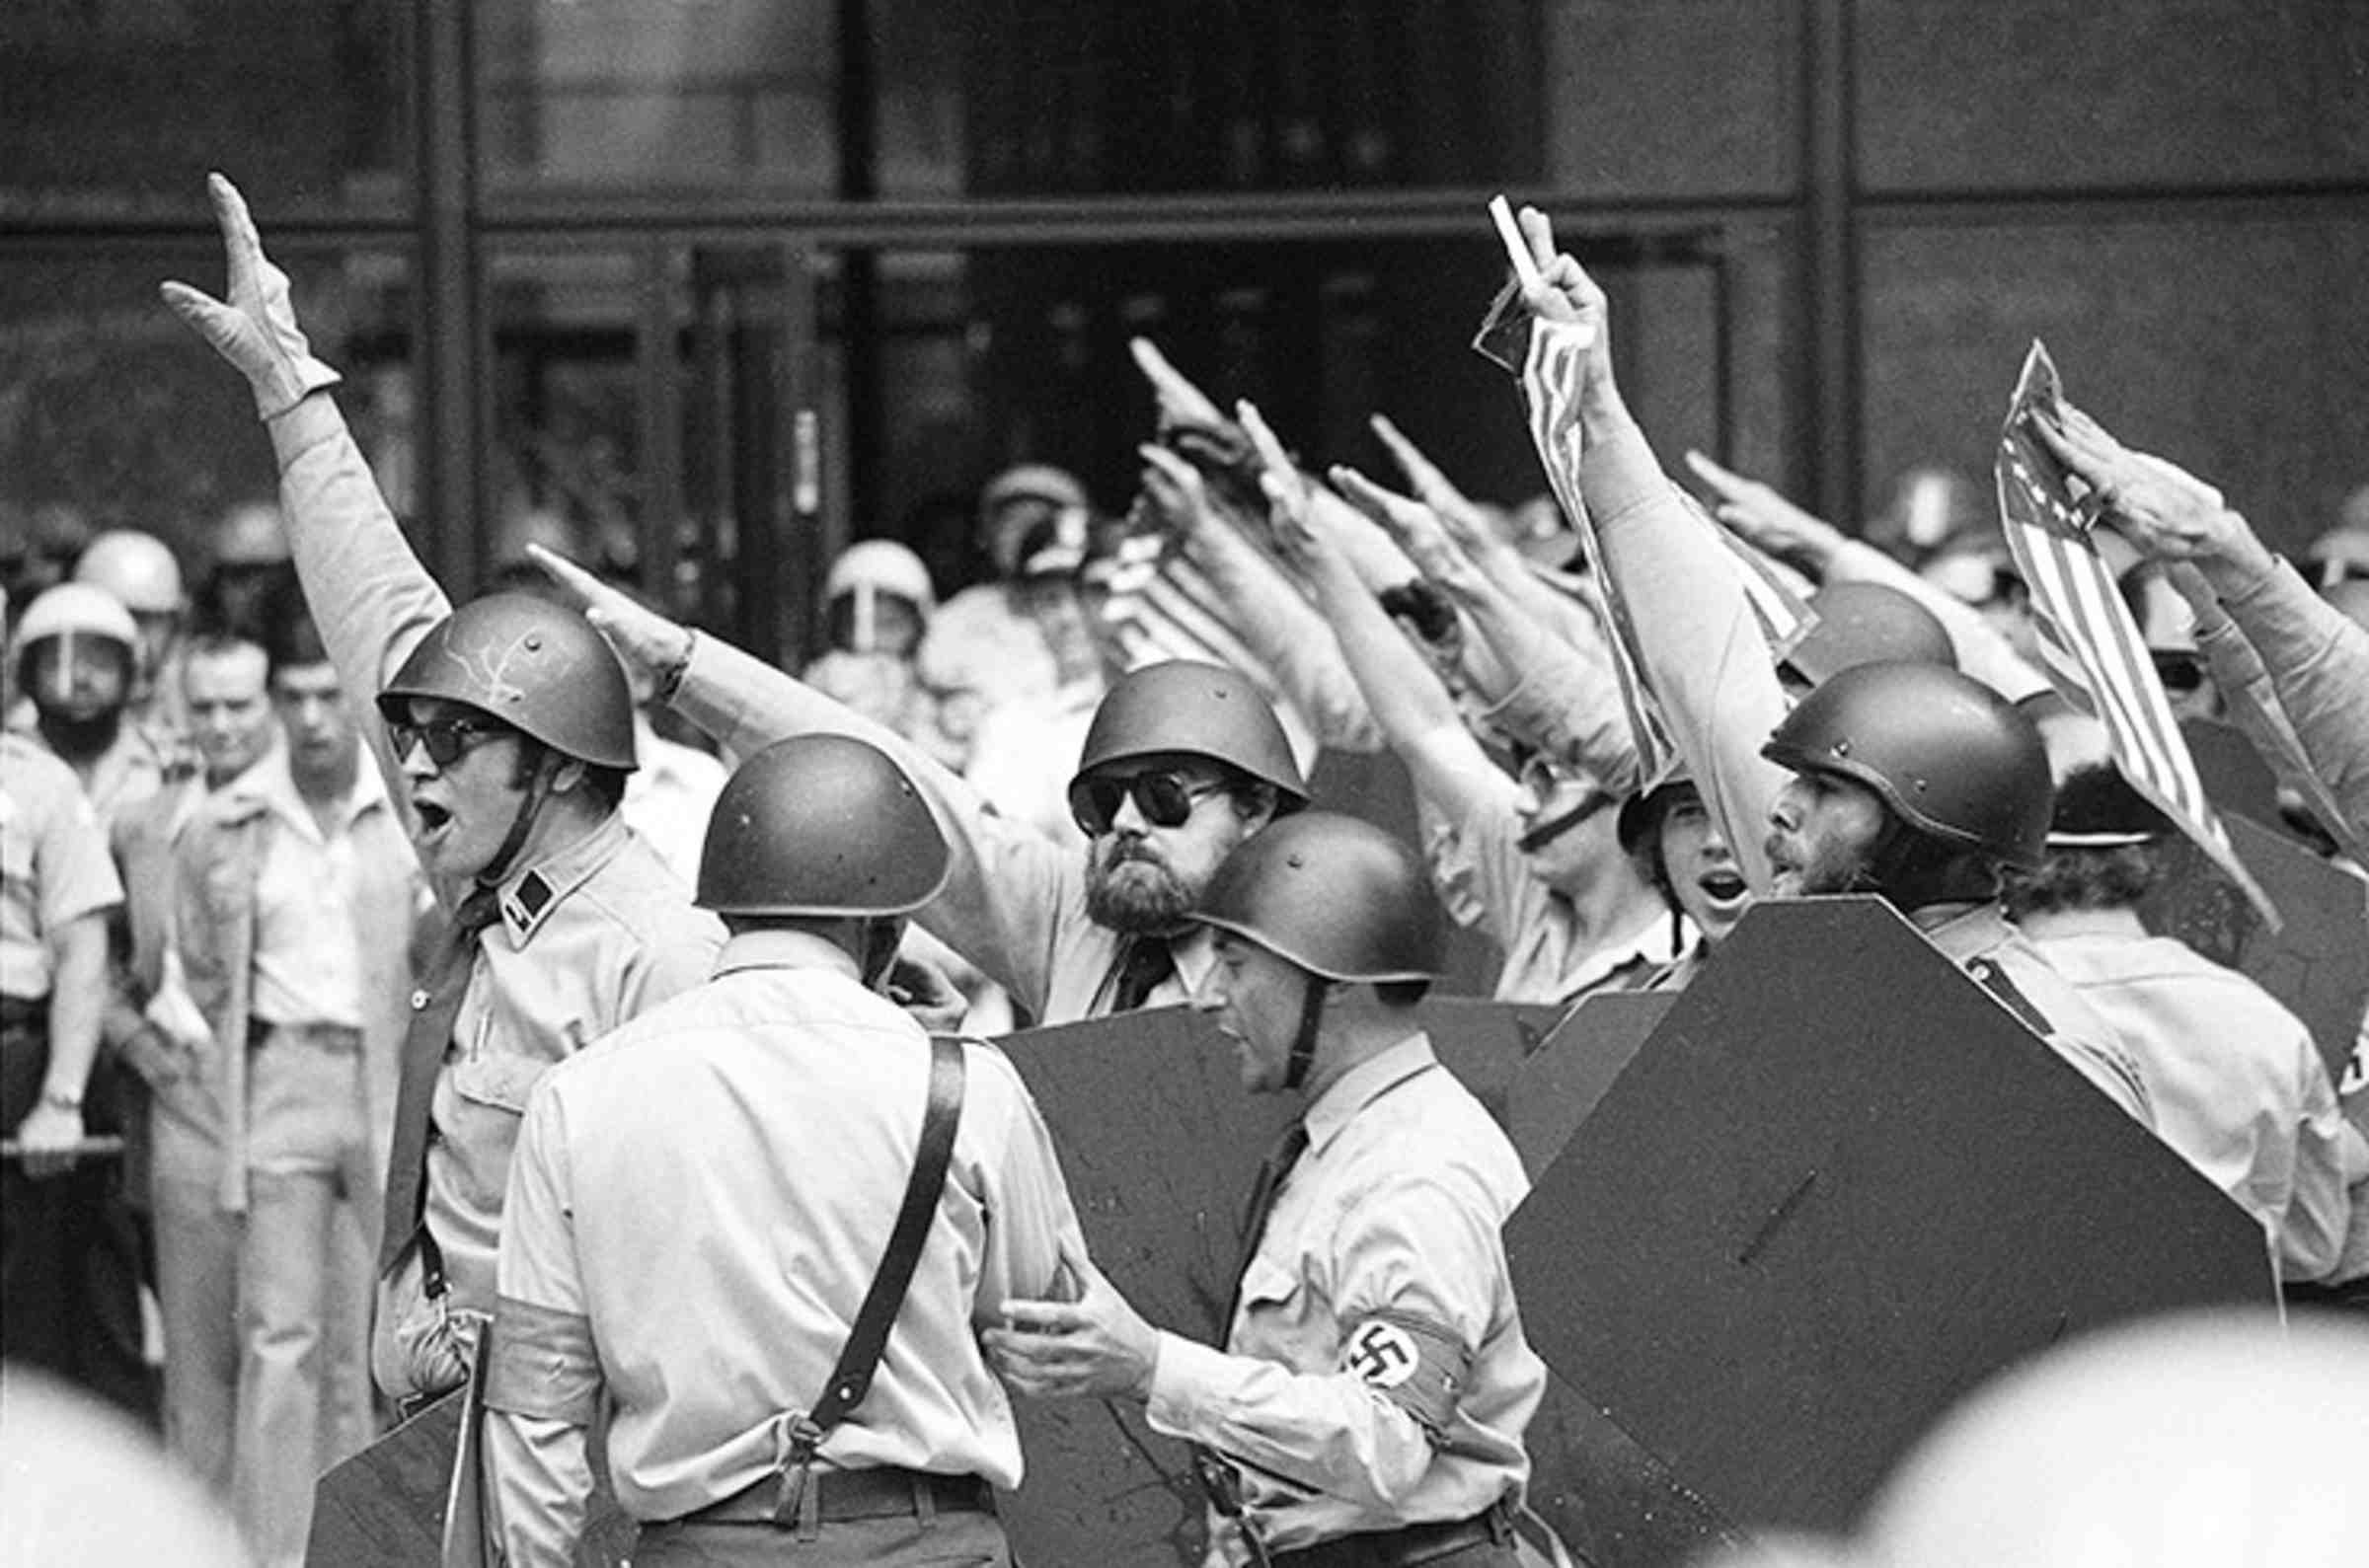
<point x="543" y="1364"/>
<point x="1416" y="1364"/>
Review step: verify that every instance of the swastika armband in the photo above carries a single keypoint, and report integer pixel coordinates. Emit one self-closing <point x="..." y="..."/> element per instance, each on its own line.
<point x="1416" y="1364"/>
<point x="543" y="1364"/>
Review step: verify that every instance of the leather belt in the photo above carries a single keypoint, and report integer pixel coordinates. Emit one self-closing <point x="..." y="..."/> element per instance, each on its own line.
<point x="1408" y="1546"/>
<point x="336" y="1039"/>
<point x="883" y="1492"/>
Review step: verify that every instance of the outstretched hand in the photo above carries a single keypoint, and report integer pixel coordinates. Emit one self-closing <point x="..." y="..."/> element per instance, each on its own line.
<point x="641" y="636"/>
<point x="256" y="328"/>
<point x="1766" y="519"/>
<point x="1095" y="1347"/>
<point x="1180" y="402"/>
<point x="1417" y="531"/>
<point x="1176" y="489"/>
<point x="2165" y="511"/>
<point x="1288" y="510"/>
<point x="1455" y="511"/>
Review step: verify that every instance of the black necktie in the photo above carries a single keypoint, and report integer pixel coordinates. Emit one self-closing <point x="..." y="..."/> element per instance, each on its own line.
<point x="433" y="1009"/>
<point x="1273" y="1172"/>
<point x="1146" y="964"/>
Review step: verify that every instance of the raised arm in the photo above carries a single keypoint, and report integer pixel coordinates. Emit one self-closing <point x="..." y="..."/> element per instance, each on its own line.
<point x="1009" y="880"/>
<point x="1269" y="614"/>
<point x="1826" y="553"/>
<point x="1699" y="645"/>
<point x="1564" y="700"/>
<point x="370" y="593"/>
<point x="2316" y="660"/>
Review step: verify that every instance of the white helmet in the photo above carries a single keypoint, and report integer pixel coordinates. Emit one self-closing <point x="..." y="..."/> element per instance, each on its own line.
<point x="75" y="609"/>
<point x="138" y="569"/>
<point x="884" y="566"/>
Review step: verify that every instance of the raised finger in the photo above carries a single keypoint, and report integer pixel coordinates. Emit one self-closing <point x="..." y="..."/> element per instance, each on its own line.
<point x="242" y="246"/>
<point x="1727" y="482"/>
<point x="1270" y="449"/>
<point x="1181" y="397"/>
<point x="1539" y="229"/>
<point x="586" y="590"/>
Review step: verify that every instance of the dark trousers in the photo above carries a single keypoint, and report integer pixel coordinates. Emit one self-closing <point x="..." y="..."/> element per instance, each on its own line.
<point x="70" y="1252"/>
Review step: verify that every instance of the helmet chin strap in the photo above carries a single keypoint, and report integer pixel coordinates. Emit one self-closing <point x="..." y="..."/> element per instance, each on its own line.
<point x="538" y="791"/>
<point x="1303" y="1043"/>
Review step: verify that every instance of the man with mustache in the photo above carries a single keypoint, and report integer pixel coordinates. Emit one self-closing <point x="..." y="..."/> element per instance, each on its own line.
<point x="1183" y="762"/>
<point x="506" y="735"/>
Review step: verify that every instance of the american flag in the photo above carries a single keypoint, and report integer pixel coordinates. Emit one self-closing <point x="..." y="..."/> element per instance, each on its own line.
<point x="2090" y="645"/>
<point x="1784" y="616"/>
<point x="1550" y="370"/>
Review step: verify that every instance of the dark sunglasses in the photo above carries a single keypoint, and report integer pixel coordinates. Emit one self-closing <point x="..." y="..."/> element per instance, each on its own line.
<point x="1165" y="799"/>
<point x="447" y="739"/>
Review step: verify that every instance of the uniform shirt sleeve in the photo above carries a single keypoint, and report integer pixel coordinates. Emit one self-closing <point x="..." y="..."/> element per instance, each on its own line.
<point x="1699" y="645"/>
<point x="1008" y="882"/>
<point x="2319" y="665"/>
<point x="1412" y="1253"/>
<point x="74" y="871"/>
<point x="2331" y="1160"/>
<point x="1030" y="1221"/>
<point x="541" y="1469"/>
<point x="368" y="592"/>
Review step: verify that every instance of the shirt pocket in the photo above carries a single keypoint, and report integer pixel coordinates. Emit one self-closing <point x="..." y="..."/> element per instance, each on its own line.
<point x="497" y="1079"/>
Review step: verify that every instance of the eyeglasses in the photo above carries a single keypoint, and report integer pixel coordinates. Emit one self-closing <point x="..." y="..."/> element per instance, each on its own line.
<point x="447" y="739"/>
<point x="1165" y="799"/>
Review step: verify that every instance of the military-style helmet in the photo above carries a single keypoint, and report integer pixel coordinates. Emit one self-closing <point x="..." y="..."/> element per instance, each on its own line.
<point x="535" y="665"/>
<point x="1945" y="752"/>
<point x="1642" y="813"/>
<point x="250" y="534"/>
<point x="1332" y="894"/>
<point x="1200" y="709"/>
<point x="1864" y="623"/>
<point x="822" y="825"/>
<point x="137" y="568"/>
<point x="884" y="566"/>
<point x="80" y="610"/>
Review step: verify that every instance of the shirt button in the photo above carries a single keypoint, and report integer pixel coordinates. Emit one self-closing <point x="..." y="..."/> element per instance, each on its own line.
<point x="420" y="1000"/>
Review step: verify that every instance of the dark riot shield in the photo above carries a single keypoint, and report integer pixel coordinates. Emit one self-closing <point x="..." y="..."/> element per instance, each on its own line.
<point x="1838" y="1186"/>
<point x="384" y="1508"/>
<point x="1160" y="1144"/>
<point x="1559" y="1086"/>
<point x="2317" y="965"/>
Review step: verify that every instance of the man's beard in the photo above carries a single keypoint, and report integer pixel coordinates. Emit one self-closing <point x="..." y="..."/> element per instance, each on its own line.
<point x="80" y="737"/>
<point x="1133" y="893"/>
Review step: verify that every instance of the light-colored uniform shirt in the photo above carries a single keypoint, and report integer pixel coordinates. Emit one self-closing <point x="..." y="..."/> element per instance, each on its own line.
<point x="700" y="1202"/>
<point x="587" y="940"/>
<point x="1381" y="1252"/>
<point x="1014" y="902"/>
<point x="2237" y="1081"/>
<point x="54" y="867"/>
<point x="670" y="796"/>
<point x="308" y="959"/>
<point x="1980" y="939"/>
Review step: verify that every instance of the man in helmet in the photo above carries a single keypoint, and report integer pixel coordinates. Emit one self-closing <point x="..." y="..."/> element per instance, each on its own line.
<point x="247" y="549"/>
<point x="1922" y="785"/>
<point x="75" y="654"/>
<point x="1181" y="761"/>
<point x="506" y="736"/>
<point x="2238" y="1084"/>
<point x="700" y="1202"/>
<point x="140" y="570"/>
<point x="1369" y="1402"/>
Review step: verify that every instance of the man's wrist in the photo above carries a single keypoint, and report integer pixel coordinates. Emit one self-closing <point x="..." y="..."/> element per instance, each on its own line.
<point x="54" y="1099"/>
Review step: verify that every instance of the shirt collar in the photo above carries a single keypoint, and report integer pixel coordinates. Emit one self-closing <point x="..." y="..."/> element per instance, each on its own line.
<point x="777" y="947"/>
<point x="1365" y="1084"/>
<point x="1661" y="941"/>
<point x="528" y="896"/>
<point x="1963" y="930"/>
<point x="267" y="782"/>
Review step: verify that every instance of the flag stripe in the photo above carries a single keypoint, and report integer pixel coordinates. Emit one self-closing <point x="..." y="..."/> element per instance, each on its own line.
<point x="2089" y="640"/>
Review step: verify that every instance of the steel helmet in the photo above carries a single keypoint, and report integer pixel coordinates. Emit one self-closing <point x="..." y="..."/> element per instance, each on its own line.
<point x="1200" y="709"/>
<point x="1332" y="894"/>
<point x="137" y="568"/>
<point x="884" y="566"/>
<point x="1642" y="813"/>
<point x="1862" y="622"/>
<point x="1945" y="752"/>
<point x="535" y="665"/>
<point x="80" y="610"/>
<point x="822" y="825"/>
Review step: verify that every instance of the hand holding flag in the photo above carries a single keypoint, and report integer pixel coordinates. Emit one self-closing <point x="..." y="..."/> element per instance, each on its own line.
<point x="2163" y="510"/>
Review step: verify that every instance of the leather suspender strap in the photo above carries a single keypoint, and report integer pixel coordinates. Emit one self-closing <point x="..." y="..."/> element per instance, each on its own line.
<point x="851" y="1378"/>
